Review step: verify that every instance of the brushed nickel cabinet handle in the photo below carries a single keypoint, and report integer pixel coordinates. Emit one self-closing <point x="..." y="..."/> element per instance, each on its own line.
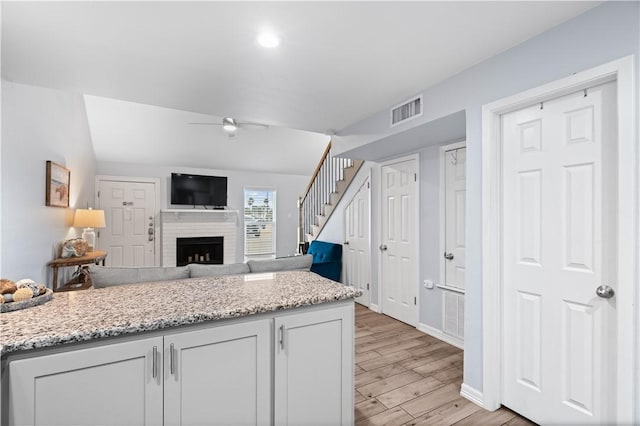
<point x="154" y="363"/>
<point x="282" y="337"/>
<point x="171" y="363"/>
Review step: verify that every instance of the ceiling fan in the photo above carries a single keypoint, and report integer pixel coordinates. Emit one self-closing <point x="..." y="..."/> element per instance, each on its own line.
<point x="230" y="125"/>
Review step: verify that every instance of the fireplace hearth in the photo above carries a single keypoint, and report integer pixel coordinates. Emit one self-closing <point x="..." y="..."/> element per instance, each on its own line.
<point x="206" y="250"/>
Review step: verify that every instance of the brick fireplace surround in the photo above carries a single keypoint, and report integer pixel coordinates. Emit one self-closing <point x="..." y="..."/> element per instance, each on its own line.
<point x="198" y="223"/>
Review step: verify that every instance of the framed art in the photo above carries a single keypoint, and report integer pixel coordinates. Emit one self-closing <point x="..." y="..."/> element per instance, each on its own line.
<point x="58" y="177"/>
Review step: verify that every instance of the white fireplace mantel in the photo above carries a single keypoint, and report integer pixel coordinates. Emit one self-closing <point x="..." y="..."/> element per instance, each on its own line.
<point x="218" y="214"/>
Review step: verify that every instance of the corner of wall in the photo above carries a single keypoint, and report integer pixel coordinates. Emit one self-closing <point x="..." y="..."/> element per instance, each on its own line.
<point x="472" y="395"/>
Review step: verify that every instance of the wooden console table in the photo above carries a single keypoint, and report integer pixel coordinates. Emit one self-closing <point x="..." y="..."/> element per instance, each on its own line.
<point x="90" y="258"/>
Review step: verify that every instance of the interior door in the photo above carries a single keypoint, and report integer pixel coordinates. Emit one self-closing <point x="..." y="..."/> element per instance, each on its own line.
<point x="453" y="253"/>
<point x="357" y="243"/>
<point x="455" y="212"/>
<point x="129" y="208"/>
<point x="398" y="257"/>
<point x="559" y="171"/>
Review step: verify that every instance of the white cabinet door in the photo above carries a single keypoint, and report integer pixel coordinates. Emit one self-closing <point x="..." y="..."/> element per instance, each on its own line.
<point x="219" y="376"/>
<point x="314" y="367"/>
<point x="112" y="384"/>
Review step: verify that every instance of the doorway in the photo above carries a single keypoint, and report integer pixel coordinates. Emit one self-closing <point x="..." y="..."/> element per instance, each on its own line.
<point x="130" y="206"/>
<point x="357" y="265"/>
<point x="399" y="239"/>
<point x="453" y="175"/>
<point x="558" y="270"/>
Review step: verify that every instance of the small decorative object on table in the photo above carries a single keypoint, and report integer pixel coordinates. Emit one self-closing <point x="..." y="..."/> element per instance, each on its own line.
<point x="75" y="247"/>
<point x="22" y="294"/>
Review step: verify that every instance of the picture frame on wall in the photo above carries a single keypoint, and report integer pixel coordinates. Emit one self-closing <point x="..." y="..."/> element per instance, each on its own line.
<point x="58" y="179"/>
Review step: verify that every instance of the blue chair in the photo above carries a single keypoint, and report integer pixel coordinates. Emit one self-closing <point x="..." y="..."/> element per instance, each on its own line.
<point x="327" y="259"/>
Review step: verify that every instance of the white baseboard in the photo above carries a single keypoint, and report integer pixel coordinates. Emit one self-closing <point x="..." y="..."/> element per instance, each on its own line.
<point x="374" y="307"/>
<point x="472" y="394"/>
<point x="434" y="332"/>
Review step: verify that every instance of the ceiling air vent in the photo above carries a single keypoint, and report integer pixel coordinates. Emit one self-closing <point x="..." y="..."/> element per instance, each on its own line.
<point x="406" y="111"/>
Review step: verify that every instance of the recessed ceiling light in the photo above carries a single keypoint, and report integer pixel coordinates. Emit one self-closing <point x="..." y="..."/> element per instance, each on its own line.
<point x="268" y="39"/>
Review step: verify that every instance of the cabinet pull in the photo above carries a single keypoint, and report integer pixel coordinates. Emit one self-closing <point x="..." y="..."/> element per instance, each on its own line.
<point x="171" y="365"/>
<point x="282" y="336"/>
<point x="154" y="364"/>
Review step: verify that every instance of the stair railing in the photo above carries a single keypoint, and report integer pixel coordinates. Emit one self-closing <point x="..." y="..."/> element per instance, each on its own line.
<point x="328" y="172"/>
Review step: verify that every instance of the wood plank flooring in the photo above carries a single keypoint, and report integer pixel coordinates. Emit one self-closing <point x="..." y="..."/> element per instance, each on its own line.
<point x="407" y="378"/>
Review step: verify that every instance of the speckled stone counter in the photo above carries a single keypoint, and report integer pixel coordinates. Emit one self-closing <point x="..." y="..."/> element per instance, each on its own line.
<point x="127" y="309"/>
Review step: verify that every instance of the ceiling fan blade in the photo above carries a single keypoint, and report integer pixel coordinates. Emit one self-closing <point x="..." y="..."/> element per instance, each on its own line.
<point x="249" y="124"/>
<point x="206" y="124"/>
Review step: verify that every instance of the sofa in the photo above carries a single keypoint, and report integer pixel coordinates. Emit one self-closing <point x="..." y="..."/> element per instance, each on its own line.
<point x="106" y="276"/>
<point x="327" y="259"/>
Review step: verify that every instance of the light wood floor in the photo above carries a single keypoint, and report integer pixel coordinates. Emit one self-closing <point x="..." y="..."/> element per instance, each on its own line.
<point x="405" y="377"/>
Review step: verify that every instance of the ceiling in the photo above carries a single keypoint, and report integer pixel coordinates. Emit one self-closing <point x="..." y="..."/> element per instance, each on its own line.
<point x="338" y="62"/>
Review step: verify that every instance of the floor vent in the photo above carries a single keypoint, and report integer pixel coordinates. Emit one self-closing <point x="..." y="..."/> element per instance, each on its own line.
<point x="406" y="111"/>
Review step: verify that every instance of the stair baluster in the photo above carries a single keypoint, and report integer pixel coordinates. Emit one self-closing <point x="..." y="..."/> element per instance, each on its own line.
<point x="317" y="204"/>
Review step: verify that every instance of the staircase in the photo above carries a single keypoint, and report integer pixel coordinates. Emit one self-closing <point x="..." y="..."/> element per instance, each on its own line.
<point x="330" y="181"/>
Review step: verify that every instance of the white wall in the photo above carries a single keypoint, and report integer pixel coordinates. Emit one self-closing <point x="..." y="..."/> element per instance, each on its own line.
<point x="38" y="125"/>
<point x="603" y="34"/>
<point x="288" y="189"/>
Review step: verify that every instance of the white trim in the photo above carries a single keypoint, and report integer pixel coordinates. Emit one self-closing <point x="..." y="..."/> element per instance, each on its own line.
<point x="411" y="157"/>
<point x="472" y="394"/>
<point x="621" y="70"/>
<point x="156" y="214"/>
<point x="443" y="209"/>
<point x="375" y="308"/>
<point x="440" y="335"/>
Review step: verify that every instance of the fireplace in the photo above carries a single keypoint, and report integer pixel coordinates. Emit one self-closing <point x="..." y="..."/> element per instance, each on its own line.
<point x="207" y="250"/>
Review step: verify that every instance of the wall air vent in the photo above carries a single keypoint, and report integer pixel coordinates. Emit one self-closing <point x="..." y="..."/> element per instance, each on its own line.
<point x="406" y="111"/>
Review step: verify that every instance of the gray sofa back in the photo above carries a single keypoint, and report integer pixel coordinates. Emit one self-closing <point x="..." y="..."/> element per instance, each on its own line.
<point x="102" y="276"/>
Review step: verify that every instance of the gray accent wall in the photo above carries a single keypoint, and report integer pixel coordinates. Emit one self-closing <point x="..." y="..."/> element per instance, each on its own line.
<point x="603" y="34"/>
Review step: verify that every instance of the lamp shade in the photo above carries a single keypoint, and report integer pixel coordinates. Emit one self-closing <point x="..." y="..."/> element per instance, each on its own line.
<point x="89" y="218"/>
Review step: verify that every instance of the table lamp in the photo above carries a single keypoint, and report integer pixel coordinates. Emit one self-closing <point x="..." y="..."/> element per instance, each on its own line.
<point x="89" y="219"/>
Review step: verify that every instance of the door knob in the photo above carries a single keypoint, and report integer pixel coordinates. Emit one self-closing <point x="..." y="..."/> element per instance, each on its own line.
<point x="346" y="243"/>
<point x="605" y="292"/>
<point x="383" y="247"/>
<point x="448" y="256"/>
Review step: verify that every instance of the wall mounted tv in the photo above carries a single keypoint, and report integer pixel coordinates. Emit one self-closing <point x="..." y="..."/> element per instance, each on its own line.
<point x="197" y="190"/>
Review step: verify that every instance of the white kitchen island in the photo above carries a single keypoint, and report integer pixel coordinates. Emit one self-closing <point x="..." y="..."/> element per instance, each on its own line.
<point x="255" y="349"/>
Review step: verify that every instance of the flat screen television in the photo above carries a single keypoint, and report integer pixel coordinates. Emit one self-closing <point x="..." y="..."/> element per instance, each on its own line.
<point x="198" y="190"/>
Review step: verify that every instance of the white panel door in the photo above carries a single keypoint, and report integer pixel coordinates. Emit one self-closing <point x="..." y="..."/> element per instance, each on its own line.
<point x="455" y="210"/>
<point x="219" y="376"/>
<point x="115" y="384"/>
<point x="398" y="247"/>
<point x="558" y="247"/>
<point x="357" y="270"/>
<point x="129" y="209"/>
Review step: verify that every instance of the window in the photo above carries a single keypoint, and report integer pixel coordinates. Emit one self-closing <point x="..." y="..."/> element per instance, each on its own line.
<point x="259" y="223"/>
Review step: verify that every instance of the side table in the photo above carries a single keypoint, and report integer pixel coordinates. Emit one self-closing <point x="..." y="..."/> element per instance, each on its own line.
<point x="93" y="257"/>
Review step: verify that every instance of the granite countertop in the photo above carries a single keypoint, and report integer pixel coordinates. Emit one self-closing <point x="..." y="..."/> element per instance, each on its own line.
<point x="78" y="316"/>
